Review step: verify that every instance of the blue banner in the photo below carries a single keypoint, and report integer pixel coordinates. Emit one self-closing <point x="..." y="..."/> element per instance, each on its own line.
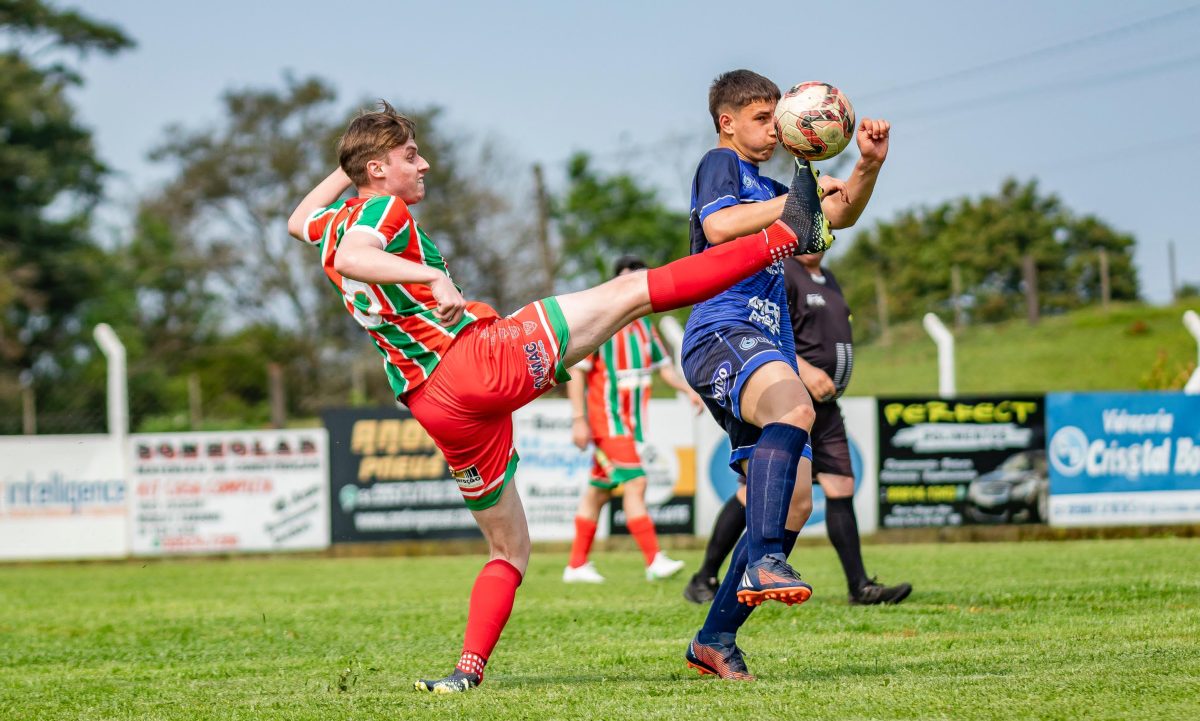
<point x="1124" y="457"/>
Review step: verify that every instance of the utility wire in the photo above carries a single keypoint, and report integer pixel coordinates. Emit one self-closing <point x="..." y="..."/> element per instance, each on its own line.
<point x="1049" y="50"/>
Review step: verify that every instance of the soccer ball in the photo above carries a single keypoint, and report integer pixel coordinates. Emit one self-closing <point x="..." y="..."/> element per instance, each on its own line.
<point x="814" y="120"/>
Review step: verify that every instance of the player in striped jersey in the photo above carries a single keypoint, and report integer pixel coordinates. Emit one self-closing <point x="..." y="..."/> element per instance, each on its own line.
<point x="461" y="368"/>
<point x="614" y="385"/>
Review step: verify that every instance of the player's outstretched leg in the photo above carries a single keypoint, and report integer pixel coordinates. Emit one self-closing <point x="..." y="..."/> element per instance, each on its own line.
<point x="492" y="597"/>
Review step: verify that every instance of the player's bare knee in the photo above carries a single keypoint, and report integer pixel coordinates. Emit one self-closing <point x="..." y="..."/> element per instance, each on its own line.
<point x="800" y="415"/>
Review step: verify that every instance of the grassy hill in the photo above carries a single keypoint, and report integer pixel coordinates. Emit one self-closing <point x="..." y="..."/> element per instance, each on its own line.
<point x="1130" y="347"/>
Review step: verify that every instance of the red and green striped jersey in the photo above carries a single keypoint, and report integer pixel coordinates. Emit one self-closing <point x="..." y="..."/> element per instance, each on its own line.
<point x="398" y="317"/>
<point x="618" y="377"/>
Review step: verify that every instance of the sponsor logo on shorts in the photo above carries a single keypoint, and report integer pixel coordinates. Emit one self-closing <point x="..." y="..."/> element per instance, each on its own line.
<point x="748" y="343"/>
<point x="720" y="382"/>
<point x="468" y="479"/>
<point x="538" y="361"/>
<point x="529" y="327"/>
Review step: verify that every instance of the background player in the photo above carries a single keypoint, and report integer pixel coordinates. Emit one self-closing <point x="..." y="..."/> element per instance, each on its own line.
<point x="820" y="323"/>
<point x="737" y="359"/>
<point x="461" y="368"/>
<point x="613" y="384"/>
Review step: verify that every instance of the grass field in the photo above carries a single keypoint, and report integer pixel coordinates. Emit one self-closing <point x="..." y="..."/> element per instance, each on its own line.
<point x="1066" y="630"/>
<point x="1086" y="350"/>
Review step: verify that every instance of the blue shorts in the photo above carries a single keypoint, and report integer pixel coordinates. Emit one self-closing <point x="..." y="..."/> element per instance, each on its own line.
<point x="717" y="365"/>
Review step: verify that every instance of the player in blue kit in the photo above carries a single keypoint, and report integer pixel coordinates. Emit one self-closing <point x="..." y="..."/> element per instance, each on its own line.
<point x="742" y="361"/>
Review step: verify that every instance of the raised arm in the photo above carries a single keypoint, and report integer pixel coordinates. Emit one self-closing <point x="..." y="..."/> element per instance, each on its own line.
<point x="327" y="191"/>
<point x="738" y="220"/>
<point x="842" y="210"/>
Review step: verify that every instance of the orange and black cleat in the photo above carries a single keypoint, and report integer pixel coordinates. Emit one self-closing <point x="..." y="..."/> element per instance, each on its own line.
<point x="771" y="579"/>
<point x="722" y="658"/>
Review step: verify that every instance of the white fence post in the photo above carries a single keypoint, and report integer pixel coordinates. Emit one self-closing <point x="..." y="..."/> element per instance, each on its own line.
<point x="1191" y="321"/>
<point x="118" y="391"/>
<point x="945" y="346"/>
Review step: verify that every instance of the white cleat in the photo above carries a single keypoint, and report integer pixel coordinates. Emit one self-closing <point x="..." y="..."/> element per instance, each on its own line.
<point x="663" y="567"/>
<point x="586" y="573"/>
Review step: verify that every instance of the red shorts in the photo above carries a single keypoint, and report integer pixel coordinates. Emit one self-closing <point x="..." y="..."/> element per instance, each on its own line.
<point x="494" y="366"/>
<point x="616" y="461"/>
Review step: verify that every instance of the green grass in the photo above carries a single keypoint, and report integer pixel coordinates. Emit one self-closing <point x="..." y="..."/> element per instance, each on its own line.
<point x="1083" y="351"/>
<point x="1038" y="630"/>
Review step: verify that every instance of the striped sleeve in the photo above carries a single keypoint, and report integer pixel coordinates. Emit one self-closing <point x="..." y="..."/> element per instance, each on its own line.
<point x="318" y="222"/>
<point x="387" y="218"/>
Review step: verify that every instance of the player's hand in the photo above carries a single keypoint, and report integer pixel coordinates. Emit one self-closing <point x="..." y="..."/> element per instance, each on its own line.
<point x="450" y="303"/>
<point x="873" y="139"/>
<point x="818" y="383"/>
<point x="833" y="188"/>
<point x="580" y="434"/>
<point x="696" y="401"/>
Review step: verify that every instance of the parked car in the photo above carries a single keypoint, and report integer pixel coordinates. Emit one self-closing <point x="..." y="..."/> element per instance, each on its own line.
<point x="1018" y="491"/>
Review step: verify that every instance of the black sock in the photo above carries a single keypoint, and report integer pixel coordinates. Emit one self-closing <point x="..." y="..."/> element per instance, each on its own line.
<point x="842" y="527"/>
<point x="731" y="521"/>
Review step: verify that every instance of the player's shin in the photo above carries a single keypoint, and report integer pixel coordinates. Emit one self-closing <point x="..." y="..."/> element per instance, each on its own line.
<point x="699" y="277"/>
<point x="492" y="599"/>
<point x="771" y="478"/>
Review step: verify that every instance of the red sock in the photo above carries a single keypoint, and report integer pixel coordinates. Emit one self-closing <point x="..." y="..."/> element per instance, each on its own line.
<point x="642" y="530"/>
<point x="585" y="531"/>
<point x="491" y="603"/>
<point x="701" y="276"/>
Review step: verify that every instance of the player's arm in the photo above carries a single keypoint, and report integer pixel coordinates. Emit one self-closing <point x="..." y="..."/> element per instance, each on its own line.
<point x="671" y="378"/>
<point x="842" y="210"/>
<point x="736" y="221"/>
<point x="576" y="387"/>
<point x="322" y="196"/>
<point x="361" y="257"/>
<point x="820" y="386"/>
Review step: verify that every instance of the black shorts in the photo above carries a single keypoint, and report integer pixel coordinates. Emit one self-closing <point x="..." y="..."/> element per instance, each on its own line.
<point x="830" y="447"/>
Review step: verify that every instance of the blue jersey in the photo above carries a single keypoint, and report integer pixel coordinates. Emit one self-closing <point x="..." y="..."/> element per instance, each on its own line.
<point x="724" y="180"/>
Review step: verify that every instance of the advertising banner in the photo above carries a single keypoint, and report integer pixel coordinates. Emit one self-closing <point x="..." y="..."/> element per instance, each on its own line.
<point x="553" y="472"/>
<point x="967" y="460"/>
<point x="1124" y="458"/>
<point x="62" y="497"/>
<point x="717" y="482"/>
<point x="388" y="481"/>
<point x="229" y="491"/>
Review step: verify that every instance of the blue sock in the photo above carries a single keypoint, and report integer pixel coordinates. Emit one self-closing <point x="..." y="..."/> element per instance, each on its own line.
<point x="726" y="615"/>
<point x="770" y="479"/>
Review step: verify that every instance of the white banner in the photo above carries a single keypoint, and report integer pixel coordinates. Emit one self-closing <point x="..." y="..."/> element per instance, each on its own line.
<point x="62" y="497"/>
<point x="229" y="491"/>
<point x="716" y="481"/>
<point x="553" y="472"/>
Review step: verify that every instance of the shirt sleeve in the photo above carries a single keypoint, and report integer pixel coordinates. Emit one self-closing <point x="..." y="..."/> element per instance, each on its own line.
<point x="318" y="222"/>
<point x="387" y="218"/>
<point x="717" y="183"/>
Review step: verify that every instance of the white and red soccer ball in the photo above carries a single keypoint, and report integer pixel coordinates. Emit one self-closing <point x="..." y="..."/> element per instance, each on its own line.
<point x="814" y="120"/>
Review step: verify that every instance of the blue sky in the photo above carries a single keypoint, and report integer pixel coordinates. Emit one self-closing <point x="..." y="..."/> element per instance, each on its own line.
<point x="1097" y="100"/>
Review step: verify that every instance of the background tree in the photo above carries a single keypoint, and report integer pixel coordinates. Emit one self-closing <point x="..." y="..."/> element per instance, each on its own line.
<point x="50" y="179"/>
<point x="601" y="217"/>
<point x="986" y="238"/>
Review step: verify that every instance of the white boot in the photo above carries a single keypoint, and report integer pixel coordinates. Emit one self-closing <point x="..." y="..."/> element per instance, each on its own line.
<point x="662" y="567"/>
<point x="586" y="573"/>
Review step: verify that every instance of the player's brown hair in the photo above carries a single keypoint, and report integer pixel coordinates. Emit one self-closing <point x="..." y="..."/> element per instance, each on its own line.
<point x="371" y="136"/>
<point x="736" y="89"/>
